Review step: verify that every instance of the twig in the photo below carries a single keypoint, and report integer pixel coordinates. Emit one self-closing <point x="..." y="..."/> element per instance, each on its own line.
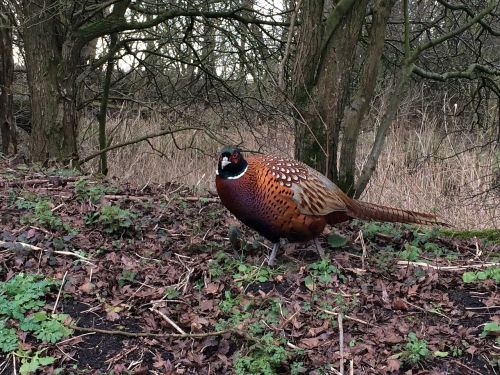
<point x="329" y="312"/>
<point x="404" y="263"/>
<point x="57" y="207"/>
<point x="467" y="367"/>
<point x="59" y="293"/>
<point x="168" y="320"/>
<point x="137" y="140"/>
<point x="26" y="246"/>
<point x="363" y="246"/>
<point x="341" y="343"/>
<point x="75" y="337"/>
<point x="351" y="367"/>
<point x="202" y="199"/>
<point x="129" y="197"/>
<point x="149" y="334"/>
<point x="425" y="310"/>
<point x="482" y="308"/>
<point x="39" y="181"/>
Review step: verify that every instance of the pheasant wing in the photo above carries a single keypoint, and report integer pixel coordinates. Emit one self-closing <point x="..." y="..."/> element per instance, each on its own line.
<point x="313" y="193"/>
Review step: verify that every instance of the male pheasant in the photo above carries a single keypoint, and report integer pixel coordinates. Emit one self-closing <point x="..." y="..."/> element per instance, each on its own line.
<point x="284" y="198"/>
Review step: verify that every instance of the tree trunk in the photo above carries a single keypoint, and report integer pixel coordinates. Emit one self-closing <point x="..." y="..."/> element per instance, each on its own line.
<point x="7" y="127"/>
<point x="103" y="109"/>
<point x="323" y="69"/>
<point x="51" y="68"/>
<point x="307" y="123"/>
<point x="360" y="102"/>
<point x="334" y="80"/>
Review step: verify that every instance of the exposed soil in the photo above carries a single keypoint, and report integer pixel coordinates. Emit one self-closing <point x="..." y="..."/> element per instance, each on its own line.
<point x="164" y="274"/>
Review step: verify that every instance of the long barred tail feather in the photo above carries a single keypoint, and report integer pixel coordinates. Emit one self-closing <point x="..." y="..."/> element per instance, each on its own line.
<point x="370" y="211"/>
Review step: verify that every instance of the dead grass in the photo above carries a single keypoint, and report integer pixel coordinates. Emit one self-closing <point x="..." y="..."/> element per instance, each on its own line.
<point x="423" y="166"/>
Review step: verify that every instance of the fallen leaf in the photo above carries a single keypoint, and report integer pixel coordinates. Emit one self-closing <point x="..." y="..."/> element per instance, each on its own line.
<point x="309" y="343"/>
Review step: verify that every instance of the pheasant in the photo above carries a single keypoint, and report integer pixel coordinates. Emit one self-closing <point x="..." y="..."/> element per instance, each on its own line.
<point x="284" y="198"/>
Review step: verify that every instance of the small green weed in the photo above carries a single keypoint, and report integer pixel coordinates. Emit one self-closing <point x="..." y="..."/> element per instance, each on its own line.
<point x="322" y="272"/>
<point x="26" y="201"/>
<point x="113" y="219"/>
<point x="43" y="216"/>
<point x="220" y="265"/>
<point x="384" y="260"/>
<point x="493" y="329"/>
<point x="21" y="300"/>
<point x="248" y="274"/>
<point x="488" y="273"/>
<point x="93" y="193"/>
<point x="416" y="350"/>
<point x="126" y="277"/>
<point x="171" y="293"/>
<point x="410" y="253"/>
<point x="370" y="229"/>
<point x="31" y="363"/>
<point x="335" y="240"/>
<point x="264" y="358"/>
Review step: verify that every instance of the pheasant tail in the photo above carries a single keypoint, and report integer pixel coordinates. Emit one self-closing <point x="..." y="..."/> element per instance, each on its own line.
<point x="370" y="211"/>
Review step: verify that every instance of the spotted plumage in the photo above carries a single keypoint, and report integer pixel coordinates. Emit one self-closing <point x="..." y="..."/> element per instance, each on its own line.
<point x="284" y="198"/>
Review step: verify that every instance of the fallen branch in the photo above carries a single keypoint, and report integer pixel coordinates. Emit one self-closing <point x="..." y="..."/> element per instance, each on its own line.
<point x="341" y="343"/>
<point x="426" y="310"/>
<point x="150" y="334"/>
<point x="137" y="140"/>
<point x="27" y="246"/>
<point x="329" y="312"/>
<point x="168" y="320"/>
<point x="202" y="199"/>
<point x="404" y="263"/>
<point x="56" y="180"/>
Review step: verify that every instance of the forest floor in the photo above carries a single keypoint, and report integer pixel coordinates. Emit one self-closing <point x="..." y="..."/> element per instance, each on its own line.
<point x="100" y="278"/>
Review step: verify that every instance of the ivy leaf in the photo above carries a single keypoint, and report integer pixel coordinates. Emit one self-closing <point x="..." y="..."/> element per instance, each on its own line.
<point x="469" y="277"/>
<point x="335" y="240"/>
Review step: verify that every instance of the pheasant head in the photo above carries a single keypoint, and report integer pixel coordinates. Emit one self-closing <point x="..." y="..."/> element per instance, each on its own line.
<point x="232" y="165"/>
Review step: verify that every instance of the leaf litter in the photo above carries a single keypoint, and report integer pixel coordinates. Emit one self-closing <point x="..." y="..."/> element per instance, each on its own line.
<point x="163" y="265"/>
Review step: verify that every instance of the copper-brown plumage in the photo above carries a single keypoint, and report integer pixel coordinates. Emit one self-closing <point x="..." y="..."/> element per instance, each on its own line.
<point x="284" y="198"/>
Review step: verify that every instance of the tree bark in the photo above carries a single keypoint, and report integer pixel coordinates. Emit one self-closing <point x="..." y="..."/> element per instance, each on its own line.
<point x="334" y="80"/>
<point x="103" y="109"/>
<point x="51" y="69"/>
<point x="307" y="123"/>
<point x="7" y="126"/>
<point x="323" y="70"/>
<point x="360" y="101"/>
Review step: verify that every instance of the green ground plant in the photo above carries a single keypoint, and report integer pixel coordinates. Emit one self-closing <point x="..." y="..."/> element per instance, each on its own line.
<point x="94" y="194"/>
<point x="21" y="301"/>
<point x="322" y="273"/>
<point x="492" y="329"/>
<point x="41" y="214"/>
<point x="492" y="273"/>
<point x="416" y="350"/>
<point x="113" y="219"/>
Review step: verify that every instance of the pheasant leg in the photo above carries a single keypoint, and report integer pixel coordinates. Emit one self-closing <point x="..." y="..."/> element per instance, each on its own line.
<point x="272" y="258"/>
<point x="319" y="248"/>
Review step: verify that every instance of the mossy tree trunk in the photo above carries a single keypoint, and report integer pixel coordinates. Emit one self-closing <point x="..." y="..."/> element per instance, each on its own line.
<point x="360" y="101"/>
<point x="7" y="127"/>
<point x="323" y="68"/>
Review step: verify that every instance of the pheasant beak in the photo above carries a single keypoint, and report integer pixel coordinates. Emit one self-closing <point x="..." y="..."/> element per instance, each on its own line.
<point x="224" y="162"/>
